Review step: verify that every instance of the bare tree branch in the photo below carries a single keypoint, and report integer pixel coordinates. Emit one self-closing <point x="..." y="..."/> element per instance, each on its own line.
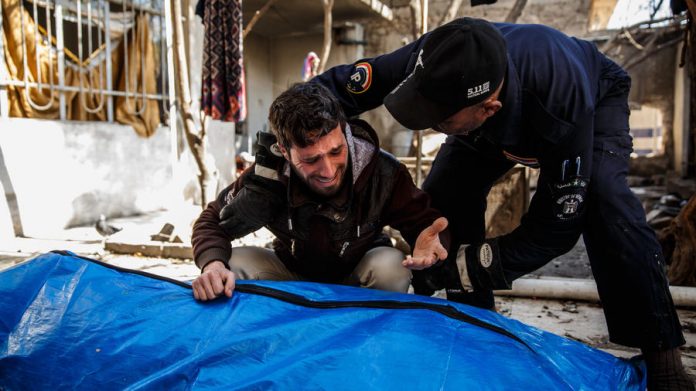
<point x="415" y="8"/>
<point x="675" y="20"/>
<point x="650" y="50"/>
<point x="257" y="15"/>
<point x="197" y="141"/>
<point x="516" y="11"/>
<point x="655" y="7"/>
<point x="328" y="21"/>
<point x="451" y="13"/>
<point x="632" y="40"/>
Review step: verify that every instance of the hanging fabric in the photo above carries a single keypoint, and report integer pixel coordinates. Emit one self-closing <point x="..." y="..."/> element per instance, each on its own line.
<point x="223" y="93"/>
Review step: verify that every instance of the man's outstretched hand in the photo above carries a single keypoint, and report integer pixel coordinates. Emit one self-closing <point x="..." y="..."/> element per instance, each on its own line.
<point x="428" y="249"/>
<point x="214" y="280"/>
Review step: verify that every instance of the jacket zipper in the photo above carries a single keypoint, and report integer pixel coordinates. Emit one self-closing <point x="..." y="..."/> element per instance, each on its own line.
<point x="343" y="249"/>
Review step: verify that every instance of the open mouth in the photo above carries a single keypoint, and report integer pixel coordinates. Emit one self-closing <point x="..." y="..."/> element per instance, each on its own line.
<point x="327" y="182"/>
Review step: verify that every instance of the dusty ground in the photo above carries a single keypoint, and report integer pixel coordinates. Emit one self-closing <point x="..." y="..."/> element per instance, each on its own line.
<point x="576" y="320"/>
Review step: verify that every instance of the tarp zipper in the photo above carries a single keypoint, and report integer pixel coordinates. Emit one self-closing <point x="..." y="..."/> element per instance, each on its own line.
<point x="446" y="310"/>
<point x="251" y="288"/>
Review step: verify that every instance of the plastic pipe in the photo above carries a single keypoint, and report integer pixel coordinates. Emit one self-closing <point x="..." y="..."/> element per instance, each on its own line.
<point x="581" y="289"/>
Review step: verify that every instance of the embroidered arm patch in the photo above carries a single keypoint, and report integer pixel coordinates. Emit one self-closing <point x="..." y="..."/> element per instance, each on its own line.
<point x="360" y="79"/>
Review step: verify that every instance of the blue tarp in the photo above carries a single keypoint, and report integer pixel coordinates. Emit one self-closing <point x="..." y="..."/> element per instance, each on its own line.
<point x="71" y="323"/>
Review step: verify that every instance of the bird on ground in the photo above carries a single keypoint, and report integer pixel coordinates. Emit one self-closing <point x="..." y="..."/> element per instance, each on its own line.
<point x="104" y="228"/>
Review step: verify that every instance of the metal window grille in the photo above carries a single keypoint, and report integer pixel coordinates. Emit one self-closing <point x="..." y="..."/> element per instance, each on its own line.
<point x="86" y="31"/>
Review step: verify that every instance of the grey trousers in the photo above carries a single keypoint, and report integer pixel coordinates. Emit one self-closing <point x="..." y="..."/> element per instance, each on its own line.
<point x="380" y="268"/>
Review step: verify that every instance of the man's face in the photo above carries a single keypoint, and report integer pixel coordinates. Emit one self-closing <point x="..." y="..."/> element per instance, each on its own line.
<point x="471" y="118"/>
<point x="322" y="166"/>
<point x="462" y="122"/>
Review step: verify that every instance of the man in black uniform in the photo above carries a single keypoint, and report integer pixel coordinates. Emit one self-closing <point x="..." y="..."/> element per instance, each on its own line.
<point x="528" y="94"/>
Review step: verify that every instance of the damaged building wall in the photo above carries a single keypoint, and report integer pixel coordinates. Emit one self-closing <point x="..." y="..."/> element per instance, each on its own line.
<point x="653" y="85"/>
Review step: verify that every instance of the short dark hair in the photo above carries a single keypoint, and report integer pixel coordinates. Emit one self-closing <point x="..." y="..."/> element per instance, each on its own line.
<point x="303" y="113"/>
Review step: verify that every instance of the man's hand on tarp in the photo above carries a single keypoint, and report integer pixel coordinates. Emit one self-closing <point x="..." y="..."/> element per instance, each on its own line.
<point x="428" y="249"/>
<point x="215" y="280"/>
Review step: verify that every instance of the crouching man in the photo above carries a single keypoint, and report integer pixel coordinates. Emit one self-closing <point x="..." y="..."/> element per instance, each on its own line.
<point x="325" y="189"/>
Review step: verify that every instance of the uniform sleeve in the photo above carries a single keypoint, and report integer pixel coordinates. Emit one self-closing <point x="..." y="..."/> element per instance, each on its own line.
<point x="362" y="86"/>
<point x="556" y="214"/>
<point x="409" y="209"/>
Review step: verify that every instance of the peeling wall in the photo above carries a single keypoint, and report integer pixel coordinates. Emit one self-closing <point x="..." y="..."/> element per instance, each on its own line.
<point x="57" y="174"/>
<point x="653" y="84"/>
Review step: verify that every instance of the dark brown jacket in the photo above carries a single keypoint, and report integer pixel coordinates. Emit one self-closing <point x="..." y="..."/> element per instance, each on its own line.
<point x="325" y="239"/>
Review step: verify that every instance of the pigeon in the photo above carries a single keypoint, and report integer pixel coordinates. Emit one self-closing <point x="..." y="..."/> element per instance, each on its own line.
<point x="105" y="229"/>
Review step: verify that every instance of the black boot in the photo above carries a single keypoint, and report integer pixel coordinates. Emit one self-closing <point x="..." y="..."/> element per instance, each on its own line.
<point x="445" y="275"/>
<point x="666" y="372"/>
<point x="482" y="298"/>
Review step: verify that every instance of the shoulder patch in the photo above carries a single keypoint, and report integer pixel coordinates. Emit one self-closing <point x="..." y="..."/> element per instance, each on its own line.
<point x="360" y="79"/>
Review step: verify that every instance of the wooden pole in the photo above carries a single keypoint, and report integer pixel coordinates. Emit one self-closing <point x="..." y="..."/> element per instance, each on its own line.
<point x="197" y="140"/>
<point x="328" y="21"/>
